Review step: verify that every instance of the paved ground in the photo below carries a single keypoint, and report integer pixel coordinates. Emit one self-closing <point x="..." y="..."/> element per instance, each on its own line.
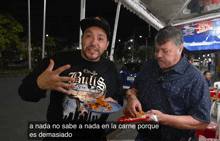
<point x="15" y="113"/>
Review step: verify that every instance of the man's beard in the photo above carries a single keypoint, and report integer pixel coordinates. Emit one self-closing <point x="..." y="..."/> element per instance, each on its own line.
<point x="91" y="53"/>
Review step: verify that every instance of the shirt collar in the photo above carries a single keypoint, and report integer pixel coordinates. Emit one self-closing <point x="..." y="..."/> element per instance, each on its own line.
<point x="181" y="65"/>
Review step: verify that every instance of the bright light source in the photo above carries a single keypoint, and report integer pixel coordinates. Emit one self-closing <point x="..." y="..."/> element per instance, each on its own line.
<point x="119" y="40"/>
<point x="207" y="54"/>
<point x="140" y="36"/>
<point x="203" y="55"/>
<point x="129" y="47"/>
<point x="131" y="40"/>
<point x="47" y="35"/>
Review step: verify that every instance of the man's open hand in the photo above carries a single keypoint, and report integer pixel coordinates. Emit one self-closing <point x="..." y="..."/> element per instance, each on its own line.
<point x="50" y="80"/>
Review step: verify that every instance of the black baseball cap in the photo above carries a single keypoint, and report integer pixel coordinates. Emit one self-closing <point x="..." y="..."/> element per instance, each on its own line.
<point x="95" y="21"/>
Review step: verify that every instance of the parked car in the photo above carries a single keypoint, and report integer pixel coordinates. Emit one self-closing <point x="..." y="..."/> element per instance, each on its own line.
<point x="196" y="63"/>
<point x="129" y="72"/>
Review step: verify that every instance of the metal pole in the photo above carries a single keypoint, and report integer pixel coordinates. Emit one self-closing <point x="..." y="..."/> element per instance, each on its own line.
<point x="115" y="30"/>
<point x="44" y="21"/>
<point x="149" y="32"/>
<point x="132" y="58"/>
<point x="82" y="16"/>
<point x="29" y="35"/>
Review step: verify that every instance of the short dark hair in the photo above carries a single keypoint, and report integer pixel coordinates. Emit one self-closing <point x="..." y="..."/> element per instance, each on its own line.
<point x="205" y="72"/>
<point x="169" y="33"/>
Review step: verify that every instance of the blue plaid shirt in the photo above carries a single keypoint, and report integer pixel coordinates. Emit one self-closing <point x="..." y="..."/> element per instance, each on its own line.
<point x="181" y="91"/>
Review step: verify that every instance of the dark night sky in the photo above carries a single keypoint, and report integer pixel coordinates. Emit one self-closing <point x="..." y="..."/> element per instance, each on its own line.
<point x="63" y="17"/>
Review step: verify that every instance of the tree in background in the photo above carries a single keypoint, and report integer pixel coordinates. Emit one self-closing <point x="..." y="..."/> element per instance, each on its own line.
<point x="50" y="46"/>
<point x="9" y="39"/>
<point x="145" y="53"/>
<point x="9" y="29"/>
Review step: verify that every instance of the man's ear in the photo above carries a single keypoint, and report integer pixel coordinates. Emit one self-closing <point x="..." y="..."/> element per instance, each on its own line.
<point x="107" y="45"/>
<point x="181" y="48"/>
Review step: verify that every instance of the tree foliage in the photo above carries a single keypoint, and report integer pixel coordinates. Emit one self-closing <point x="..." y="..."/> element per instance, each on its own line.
<point x="9" y="29"/>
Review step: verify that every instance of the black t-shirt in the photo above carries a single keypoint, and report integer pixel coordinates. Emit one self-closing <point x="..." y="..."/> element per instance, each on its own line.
<point x="101" y="76"/>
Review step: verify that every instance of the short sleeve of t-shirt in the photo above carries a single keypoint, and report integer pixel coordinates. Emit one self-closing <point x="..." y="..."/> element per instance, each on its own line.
<point x="199" y="101"/>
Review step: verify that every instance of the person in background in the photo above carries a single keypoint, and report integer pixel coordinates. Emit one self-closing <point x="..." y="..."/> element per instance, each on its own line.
<point x="171" y="89"/>
<point x="208" y="75"/>
<point x="216" y="62"/>
<point x="76" y="75"/>
<point x="209" y="65"/>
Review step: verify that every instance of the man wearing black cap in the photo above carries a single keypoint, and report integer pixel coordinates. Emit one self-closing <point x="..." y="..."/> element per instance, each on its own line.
<point x="72" y="77"/>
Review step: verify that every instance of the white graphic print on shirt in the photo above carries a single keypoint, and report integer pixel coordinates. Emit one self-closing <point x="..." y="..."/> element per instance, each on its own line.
<point x="89" y="86"/>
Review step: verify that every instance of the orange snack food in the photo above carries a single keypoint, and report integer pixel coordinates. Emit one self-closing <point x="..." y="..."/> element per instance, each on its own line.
<point x="87" y="104"/>
<point x="139" y="113"/>
<point x="110" y="108"/>
<point x="99" y="103"/>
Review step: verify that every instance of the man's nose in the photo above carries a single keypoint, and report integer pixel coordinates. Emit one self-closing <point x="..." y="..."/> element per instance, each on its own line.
<point x="94" y="41"/>
<point x="158" y="54"/>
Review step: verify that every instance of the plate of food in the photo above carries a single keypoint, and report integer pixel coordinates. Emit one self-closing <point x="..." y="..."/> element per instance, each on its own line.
<point x="140" y="116"/>
<point x="101" y="106"/>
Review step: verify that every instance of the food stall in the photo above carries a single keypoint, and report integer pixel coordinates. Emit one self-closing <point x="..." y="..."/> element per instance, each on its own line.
<point x="198" y="19"/>
<point x="204" y="37"/>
